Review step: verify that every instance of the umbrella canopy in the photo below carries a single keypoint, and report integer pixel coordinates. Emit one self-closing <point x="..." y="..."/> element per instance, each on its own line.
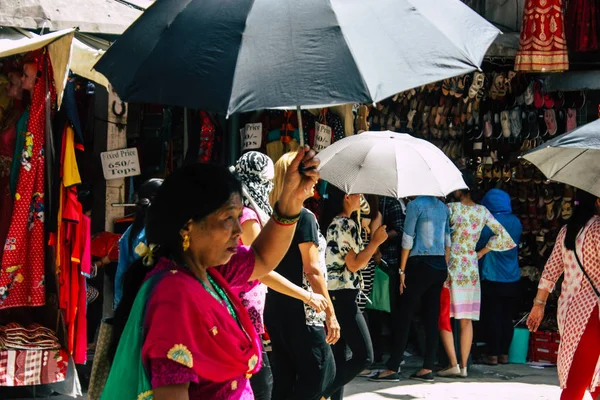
<point x="389" y="164"/>
<point x="244" y="55"/>
<point x="572" y="158"/>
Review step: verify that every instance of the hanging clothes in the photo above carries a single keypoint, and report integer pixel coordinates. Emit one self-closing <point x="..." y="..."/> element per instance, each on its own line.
<point x="22" y="280"/>
<point x="542" y="46"/>
<point x="73" y="252"/>
<point x="7" y="146"/>
<point x="330" y="119"/>
<point x="207" y="138"/>
<point x="582" y="25"/>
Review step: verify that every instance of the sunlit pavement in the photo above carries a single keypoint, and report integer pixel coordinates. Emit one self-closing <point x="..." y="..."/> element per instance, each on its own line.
<point x="501" y="382"/>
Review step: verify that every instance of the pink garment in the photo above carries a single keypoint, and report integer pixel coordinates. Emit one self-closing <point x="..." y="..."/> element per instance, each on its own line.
<point x="204" y="345"/>
<point x="253" y="294"/>
<point x="577" y="300"/>
<point x="80" y="350"/>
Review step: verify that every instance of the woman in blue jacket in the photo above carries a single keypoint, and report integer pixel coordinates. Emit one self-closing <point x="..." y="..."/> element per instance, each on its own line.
<point x="500" y="277"/>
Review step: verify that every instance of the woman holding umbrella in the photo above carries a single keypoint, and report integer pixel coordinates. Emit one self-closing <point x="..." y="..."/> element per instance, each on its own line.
<point x="346" y="256"/>
<point x="187" y="334"/>
<point x="577" y="257"/>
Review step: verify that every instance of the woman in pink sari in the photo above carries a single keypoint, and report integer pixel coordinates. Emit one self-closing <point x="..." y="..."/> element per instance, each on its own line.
<point x="187" y="334"/>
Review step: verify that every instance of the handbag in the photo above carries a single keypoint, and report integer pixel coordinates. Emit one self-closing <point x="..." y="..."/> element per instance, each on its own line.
<point x="589" y="278"/>
<point x="380" y="293"/>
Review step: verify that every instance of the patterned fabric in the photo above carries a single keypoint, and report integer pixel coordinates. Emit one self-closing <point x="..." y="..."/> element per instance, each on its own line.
<point x="207" y="138"/>
<point x="313" y="318"/>
<point x="22" y="280"/>
<point x="7" y="146"/>
<point x="206" y="338"/>
<point x="342" y="236"/>
<point x="256" y="171"/>
<point x="467" y="222"/>
<point x="582" y="25"/>
<point x="542" y="46"/>
<point x="577" y="300"/>
<point x="393" y="212"/>
<point x="32" y="367"/>
<point x="253" y="294"/>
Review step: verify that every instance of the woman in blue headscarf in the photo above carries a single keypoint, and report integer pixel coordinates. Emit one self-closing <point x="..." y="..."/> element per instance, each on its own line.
<point x="500" y="276"/>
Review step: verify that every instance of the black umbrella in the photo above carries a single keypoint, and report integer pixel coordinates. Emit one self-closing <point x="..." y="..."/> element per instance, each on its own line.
<point x="243" y="55"/>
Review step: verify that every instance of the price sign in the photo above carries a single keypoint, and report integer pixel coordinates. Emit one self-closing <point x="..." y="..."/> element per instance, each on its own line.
<point x="120" y="163"/>
<point x="322" y="136"/>
<point x="251" y="136"/>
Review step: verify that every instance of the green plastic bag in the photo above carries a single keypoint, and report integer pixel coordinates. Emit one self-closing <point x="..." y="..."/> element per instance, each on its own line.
<point x="380" y="294"/>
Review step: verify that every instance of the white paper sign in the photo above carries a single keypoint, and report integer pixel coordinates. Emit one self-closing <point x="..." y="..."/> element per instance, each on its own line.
<point x="120" y="163"/>
<point x="251" y="136"/>
<point x="322" y="136"/>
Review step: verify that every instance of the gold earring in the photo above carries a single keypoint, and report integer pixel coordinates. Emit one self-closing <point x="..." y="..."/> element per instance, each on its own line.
<point x="186" y="243"/>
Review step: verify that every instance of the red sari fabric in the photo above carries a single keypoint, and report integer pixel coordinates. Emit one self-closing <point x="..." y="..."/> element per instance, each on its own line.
<point x="7" y="149"/>
<point x="582" y="25"/>
<point x="22" y="281"/>
<point x="542" y="46"/>
<point x="186" y="327"/>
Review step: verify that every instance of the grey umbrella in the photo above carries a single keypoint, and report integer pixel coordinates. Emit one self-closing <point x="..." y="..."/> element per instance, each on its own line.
<point x="244" y="55"/>
<point x="572" y="158"/>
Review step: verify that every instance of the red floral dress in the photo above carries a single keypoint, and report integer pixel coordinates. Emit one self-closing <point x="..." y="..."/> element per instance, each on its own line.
<point x="542" y="46"/>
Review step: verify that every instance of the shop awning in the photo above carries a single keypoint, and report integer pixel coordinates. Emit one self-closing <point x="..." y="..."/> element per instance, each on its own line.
<point x="59" y="48"/>
<point x="93" y="16"/>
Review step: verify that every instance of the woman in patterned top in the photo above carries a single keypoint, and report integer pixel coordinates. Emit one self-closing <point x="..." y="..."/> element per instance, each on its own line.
<point x="467" y="221"/>
<point x="577" y="257"/>
<point x="256" y="171"/>
<point x="346" y="256"/>
<point x="187" y="334"/>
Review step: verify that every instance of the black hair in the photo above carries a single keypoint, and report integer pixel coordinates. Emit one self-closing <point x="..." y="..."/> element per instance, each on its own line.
<point x="585" y="209"/>
<point x="190" y="193"/>
<point x="333" y="206"/>
<point x="146" y="195"/>
<point x="373" y="201"/>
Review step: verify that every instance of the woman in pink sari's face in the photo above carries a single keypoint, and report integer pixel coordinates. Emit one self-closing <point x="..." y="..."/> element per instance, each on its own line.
<point x="214" y="239"/>
<point x="29" y="76"/>
<point x="15" y="86"/>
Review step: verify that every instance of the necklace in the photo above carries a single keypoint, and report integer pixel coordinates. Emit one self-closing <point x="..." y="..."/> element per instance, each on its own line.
<point x="220" y="295"/>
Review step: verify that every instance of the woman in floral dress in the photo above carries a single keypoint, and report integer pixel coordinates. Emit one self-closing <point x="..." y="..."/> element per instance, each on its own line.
<point x="578" y="306"/>
<point x="467" y="220"/>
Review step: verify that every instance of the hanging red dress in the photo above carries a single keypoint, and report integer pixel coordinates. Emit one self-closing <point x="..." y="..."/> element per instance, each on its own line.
<point x="22" y="281"/>
<point x="7" y="149"/>
<point x="582" y="25"/>
<point x="542" y="46"/>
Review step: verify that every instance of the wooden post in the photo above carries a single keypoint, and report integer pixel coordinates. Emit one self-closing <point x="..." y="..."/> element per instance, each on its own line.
<point x="116" y="138"/>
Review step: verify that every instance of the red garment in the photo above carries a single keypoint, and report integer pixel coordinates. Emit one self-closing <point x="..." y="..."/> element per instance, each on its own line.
<point x="7" y="149"/>
<point x="444" y="319"/>
<point x="80" y="326"/>
<point x="542" y="46"/>
<point x="202" y="335"/>
<point x="106" y="244"/>
<point x="582" y="25"/>
<point x="584" y="361"/>
<point x="23" y="263"/>
<point x="207" y="138"/>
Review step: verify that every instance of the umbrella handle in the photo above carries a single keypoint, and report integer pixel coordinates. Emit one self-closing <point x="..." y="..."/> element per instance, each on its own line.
<point x="300" y="127"/>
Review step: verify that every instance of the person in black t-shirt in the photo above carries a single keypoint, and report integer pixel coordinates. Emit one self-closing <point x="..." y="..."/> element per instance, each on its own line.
<point x="302" y="359"/>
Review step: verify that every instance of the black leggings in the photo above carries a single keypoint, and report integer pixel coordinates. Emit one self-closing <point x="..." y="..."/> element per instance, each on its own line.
<point x="262" y="382"/>
<point x="423" y="286"/>
<point x="303" y="364"/>
<point x="498" y="305"/>
<point x="355" y="335"/>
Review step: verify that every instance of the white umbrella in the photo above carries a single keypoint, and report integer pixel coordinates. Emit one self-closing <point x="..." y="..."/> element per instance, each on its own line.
<point x="572" y="158"/>
<point x="389" y="164"/>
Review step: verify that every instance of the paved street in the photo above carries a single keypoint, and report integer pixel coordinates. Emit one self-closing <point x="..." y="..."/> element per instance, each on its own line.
<point x="501" y="382"/>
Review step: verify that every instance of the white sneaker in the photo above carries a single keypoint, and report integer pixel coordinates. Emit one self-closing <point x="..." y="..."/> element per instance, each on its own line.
<point x="463" y="373"/>
<point x="450" y="371"/>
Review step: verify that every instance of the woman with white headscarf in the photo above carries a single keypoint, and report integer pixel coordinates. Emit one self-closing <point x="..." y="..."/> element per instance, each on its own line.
<point x="256" y="171"/>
